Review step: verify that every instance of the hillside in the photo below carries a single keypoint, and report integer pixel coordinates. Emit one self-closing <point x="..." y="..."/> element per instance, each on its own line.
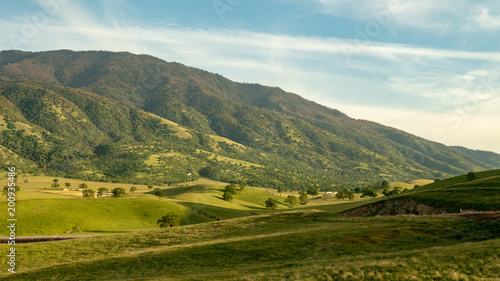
<point x="135" y="118"/>
<point x="452" y="195"/>
<point x="301" y="245"/>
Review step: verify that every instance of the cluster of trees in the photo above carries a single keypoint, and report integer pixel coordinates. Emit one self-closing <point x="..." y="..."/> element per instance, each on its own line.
<point x="394" y="191"/>
<point x="90" y="193"/>
<point x="369" y="192"/>
<point x="230" y="191"/>
<point x="345" y="194"/>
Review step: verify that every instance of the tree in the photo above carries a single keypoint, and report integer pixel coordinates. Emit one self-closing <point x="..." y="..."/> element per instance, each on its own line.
<point x="55" y="180"/>
<point x="54" y="185"/>
<point x="89" y="193"/>
<point x="159" y="193"/>
<point x="242" y="186"/>
<point x="231" y="188"/>
<point x="67" y="184"/>
<point x="369" y="192"/>
<point x="340" y="194"/>
<point x="386" y="192"/>
<point x="150" y="186"/>
<point x="271" y="204"/>
<point x="303" y="198"/>
<point x="471" y="176"/>
<point x="83" y="186"/>
<point x="313" y="191"/>
<point x="349" y="194"/>
<point x="101" y="191"/>
<point x="169" y="220"/>
<point x="133" y="189"/>
<point x="228" y="196"/>
<point x="5" y="190"/>
<point x="118" y="192"/>
<point x="292" y="200"/>
<point x="384" y="184"/>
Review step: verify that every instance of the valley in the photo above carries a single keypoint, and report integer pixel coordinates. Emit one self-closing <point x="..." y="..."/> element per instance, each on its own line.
<point x="182" y="174"/>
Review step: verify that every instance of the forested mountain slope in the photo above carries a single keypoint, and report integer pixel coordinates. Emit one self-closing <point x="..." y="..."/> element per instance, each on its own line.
<point x="101" y="115"/>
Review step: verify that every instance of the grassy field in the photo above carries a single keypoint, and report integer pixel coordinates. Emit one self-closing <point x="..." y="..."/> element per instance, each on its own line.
<point x="93" y="215"/>
<point x="458" y="193"/>
<point x="309" y="242"/>
<point x="299" y="245"/>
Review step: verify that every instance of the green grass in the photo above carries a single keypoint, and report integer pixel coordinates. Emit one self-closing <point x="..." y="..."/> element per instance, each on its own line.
<point x="228" y="141"/>
<point x="179" y="130"/>
<point x="453" y="194"/>
<point x="310" y="242"/>
<point x="280" y="246"/>
<point x="93" y="215"/>
<point x="249" y="198"/>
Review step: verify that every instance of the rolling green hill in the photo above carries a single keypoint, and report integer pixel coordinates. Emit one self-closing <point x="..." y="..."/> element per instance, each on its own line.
<point x="300" y="245"/>
<point x="95" y="215"/>
<point x="450" y="195"/>
<point x="102" y="116"/>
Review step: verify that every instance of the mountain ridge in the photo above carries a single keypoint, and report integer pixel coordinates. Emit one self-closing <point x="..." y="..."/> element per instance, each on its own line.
<point x="294" y="133"/>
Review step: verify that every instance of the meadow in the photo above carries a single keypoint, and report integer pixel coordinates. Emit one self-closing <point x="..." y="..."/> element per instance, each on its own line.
<point x="307" y="242"/>
<point x="292" y="245"/>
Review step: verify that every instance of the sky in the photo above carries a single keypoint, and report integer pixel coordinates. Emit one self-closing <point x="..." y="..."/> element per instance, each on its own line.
<point x="430" y="68"/>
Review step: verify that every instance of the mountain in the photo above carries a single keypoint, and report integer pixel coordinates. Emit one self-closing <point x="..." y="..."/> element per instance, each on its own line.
<point x="123" y="117"/>
<point x="483" y="156"/>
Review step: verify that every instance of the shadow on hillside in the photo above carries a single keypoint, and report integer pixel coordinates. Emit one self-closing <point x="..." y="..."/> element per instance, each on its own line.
<point x="219" y="212"/>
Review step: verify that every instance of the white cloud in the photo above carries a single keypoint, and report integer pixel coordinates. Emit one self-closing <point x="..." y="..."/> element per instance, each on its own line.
<point x="487" y="21"/>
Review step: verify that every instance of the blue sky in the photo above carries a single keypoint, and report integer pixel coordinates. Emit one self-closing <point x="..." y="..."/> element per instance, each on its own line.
<point x="430" y="68"/>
